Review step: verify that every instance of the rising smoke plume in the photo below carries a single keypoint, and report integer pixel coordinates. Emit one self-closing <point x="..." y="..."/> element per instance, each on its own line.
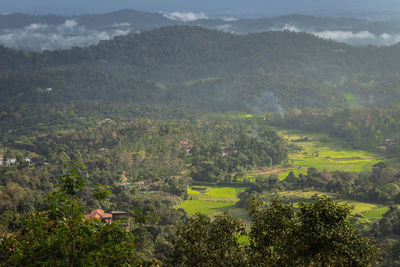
<point x="266" y="102"/>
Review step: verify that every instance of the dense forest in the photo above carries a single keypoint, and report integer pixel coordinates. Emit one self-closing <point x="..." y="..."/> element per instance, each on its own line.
<point x="205" y="69"/>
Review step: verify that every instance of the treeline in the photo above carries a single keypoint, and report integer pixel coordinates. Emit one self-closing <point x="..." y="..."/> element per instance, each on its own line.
<point x="227" y="163"/>
<point x="380" y="185"/>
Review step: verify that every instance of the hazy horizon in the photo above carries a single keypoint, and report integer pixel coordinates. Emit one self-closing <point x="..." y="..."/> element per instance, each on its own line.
<point x="252" y="8"/>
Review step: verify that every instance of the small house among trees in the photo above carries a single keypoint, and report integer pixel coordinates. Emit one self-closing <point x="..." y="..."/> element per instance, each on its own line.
<point x="185" y="145"/>
<point x="106" y="217"/>
<point x="99" y="214"/>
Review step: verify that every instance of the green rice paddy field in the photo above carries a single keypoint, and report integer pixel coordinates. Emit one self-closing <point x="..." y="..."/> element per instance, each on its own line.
<point x="323" y="153"/>
<point x="213" y="200"/>
<point x="329" y="156"/>
<point x="319" y="151"/>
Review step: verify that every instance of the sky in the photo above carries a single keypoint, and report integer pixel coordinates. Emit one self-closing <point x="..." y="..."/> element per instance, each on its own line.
<point x="211" y="7"/>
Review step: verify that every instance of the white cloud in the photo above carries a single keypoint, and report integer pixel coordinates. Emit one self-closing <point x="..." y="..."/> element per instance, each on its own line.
<point x="186" y="17"/>
<point x="343" y="36"/>
<point x="120" y="32"/>
<point x="386" y="36"/>
<point x="291" y="28"/>
<point x="228" y="19"/>
<point x="70" y="23"/>
<point x="124" y="24"/>
<point x="36" y="26"/>
<point x="353" y="38"/>
<point x="44" y="37"/>
<point x="69" y="26"/>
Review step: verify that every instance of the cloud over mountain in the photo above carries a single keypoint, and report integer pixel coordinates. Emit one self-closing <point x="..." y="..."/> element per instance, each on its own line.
<point x="186" y="17"/>
<point x="349" y="37"/>
<point x="39" y="36"/>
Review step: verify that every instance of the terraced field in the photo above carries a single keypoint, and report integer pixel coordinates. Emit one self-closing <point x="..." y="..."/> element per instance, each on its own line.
<point x="321" y="152"/>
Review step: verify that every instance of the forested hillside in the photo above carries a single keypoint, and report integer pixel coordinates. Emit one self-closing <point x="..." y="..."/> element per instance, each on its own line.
<point x="206" y="69"/>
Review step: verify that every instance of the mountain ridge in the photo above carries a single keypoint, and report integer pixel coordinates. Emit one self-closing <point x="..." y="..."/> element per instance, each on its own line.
<point x="53" y="32"/>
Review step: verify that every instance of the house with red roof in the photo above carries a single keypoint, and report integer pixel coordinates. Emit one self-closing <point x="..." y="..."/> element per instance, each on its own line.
<point x="185" y="145"/>
<point x="99" y="214"/>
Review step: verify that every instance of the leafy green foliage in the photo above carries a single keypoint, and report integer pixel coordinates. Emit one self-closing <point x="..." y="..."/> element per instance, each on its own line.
<point x="250" y="147"/>
<point x="272" y="233"/>
<point x="317" y="234"/>
<point x="202" y="242"/>
<point x="328" y="238"/>
<point x="60" y="235"/>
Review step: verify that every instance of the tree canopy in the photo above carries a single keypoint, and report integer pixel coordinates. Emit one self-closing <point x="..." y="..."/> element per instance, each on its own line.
<point x="314" y="234"/>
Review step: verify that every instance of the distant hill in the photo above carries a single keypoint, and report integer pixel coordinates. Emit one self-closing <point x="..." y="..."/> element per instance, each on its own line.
<point x="50" y="32"/>
<point x="94" y="21"/>
<point x="206" y="69"/>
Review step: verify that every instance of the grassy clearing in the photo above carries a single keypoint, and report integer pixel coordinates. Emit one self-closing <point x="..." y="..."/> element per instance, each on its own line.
<point x="353" y="100"/>
<point x="203" y="206"/>
<point x="214" y="200"/>
<point x="193" y="192"/>
<point x="375" y="214"/>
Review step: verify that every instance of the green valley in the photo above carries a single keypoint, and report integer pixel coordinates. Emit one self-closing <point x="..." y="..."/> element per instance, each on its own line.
<point x="201" y="147"/>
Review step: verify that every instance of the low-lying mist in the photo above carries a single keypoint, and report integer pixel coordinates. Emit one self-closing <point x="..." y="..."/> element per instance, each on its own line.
<point x="39" y="33"/>
<point x="39" y="36"/>
<point x="354" y="38"/>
